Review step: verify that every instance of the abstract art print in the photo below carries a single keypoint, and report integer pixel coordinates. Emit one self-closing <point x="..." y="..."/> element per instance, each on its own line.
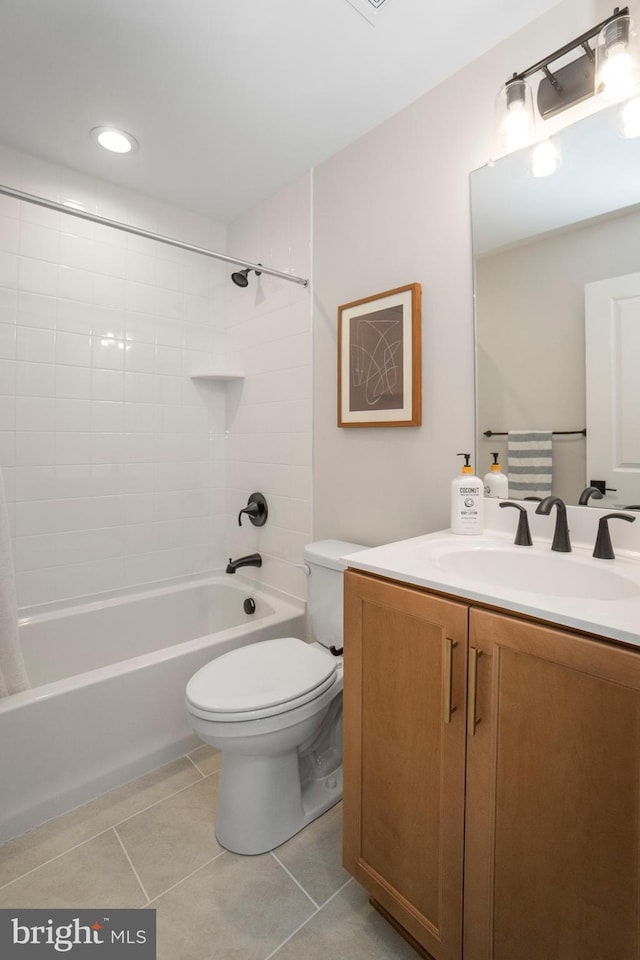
<point x="379" y="360"/>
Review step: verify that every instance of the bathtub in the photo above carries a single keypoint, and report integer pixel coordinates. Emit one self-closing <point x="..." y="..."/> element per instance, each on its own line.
<point x="108" y="680"/>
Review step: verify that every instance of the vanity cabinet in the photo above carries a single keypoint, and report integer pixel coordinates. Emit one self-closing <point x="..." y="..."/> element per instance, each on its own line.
<point x="497" y="755"/>
<point x="404" y="755"/>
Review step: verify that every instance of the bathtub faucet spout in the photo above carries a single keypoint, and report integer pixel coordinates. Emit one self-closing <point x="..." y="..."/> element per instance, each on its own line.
<point x="252" y="560"/>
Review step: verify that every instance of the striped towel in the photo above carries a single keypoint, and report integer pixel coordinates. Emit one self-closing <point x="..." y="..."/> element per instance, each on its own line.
<point x="529" y="463"/>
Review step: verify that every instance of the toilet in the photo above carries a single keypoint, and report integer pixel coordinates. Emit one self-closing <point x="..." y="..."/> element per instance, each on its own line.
<point x="274" y="710"/>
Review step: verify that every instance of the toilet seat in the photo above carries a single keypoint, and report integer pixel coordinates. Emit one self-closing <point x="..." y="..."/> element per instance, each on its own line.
<point x="260" y="680"/>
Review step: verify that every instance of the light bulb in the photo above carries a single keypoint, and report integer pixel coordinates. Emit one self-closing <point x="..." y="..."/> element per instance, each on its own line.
<point x="117" y="141"/>
<point x="545" y="159"/>
<point x="518" y="127"/>
<point x="629" y="118"/>
<point x="615" y="81"/>
<point x="617" y="67"/>
<point x="514" y="116"/>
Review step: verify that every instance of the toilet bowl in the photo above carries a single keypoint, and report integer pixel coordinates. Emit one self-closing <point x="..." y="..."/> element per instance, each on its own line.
<point x="274" y="710"/>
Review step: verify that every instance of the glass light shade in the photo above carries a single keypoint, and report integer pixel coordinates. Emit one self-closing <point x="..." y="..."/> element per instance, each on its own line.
<point x="617" y="61"/>
<point x="515" y="123"/>
<point x="545" y="158"/>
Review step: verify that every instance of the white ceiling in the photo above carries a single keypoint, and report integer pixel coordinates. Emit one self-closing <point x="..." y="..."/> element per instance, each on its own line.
<point x="229" y="99"/>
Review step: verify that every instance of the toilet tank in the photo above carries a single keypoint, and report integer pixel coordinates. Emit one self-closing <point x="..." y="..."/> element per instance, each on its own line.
<point x="325" y="587"/>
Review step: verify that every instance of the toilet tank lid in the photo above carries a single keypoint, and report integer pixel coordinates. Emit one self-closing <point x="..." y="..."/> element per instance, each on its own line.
<point x="327" y="553"/>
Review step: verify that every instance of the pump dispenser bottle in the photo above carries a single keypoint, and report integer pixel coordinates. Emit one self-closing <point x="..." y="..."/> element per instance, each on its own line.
<point x="467" y="501"/>
<point x="495" y="482"/>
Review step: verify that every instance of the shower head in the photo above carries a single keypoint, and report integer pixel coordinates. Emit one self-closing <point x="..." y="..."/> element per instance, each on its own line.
<point x="241" y="277"/>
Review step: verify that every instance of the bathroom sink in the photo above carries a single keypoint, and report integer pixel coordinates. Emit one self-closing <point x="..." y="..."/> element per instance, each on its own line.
<point x="533" y="571"/>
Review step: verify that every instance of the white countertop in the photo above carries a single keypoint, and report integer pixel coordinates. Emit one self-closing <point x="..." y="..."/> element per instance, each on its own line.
<point x="429" y="561"/>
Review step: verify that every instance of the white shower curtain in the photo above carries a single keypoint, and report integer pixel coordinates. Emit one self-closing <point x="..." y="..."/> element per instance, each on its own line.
<point x="13" y="676"/>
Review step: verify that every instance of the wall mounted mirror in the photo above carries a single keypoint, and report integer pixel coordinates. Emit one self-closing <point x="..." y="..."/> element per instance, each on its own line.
<point x="554" y="257"/>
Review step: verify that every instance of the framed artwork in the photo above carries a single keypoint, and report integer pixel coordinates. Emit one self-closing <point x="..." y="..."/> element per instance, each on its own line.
<point x="380" y="360"/>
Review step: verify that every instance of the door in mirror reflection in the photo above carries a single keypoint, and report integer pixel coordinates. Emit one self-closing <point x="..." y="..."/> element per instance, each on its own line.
<point x="612" y="352"/>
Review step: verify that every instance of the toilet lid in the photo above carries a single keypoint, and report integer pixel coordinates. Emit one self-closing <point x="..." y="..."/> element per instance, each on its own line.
<point x="261" y="675"/>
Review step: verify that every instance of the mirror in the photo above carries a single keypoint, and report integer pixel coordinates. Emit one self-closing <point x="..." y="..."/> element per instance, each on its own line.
<point x="537" y="244"/>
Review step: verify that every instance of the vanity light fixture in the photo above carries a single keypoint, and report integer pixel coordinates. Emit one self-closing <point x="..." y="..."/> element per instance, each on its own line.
<point x="610" y="70"/>
<point x="117" y="141"/>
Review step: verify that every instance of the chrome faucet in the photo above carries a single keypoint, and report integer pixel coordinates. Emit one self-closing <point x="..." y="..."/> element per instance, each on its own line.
<point x="251" y="560"/>
<point x="561" y="540"/>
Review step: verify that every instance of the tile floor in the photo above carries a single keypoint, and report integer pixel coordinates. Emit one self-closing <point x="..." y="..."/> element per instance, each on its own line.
<point x="151" y="843"/>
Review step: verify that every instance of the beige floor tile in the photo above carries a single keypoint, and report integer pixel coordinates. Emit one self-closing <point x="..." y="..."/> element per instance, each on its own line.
<point x="59" y="835"/>
<point x="314" y="856"/>
<point x="173" y="838"/>
<point x="95" y="874"/>
<point x="347" y="926"/>
<point x="207" y="759"/>
<point x="236" y="908"/>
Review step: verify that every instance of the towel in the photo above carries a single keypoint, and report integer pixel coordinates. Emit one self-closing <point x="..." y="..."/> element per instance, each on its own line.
<point x="529" y="463"/>
<point x="13" y="676"/>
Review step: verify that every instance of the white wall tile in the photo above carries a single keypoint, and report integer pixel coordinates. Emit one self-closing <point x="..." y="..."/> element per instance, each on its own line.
<point x="74" y="284"/>
<point x="35" y="345"/>
<point x="34" y="447"/>
<point x="37" y="276"/>
<point x="73" y="349"/>
<point x="72" y="414"/>
<point x="107" y="416"/>
<point x="9" y="265"/>
<point x="9" y="234"/>
<point x="40" y="243"/>
<point x="71" y="382"/>
<point x="110" y="291"/>
<point x="107" y="384"/>
<point x="76" y="251"/>
<point x="34" y="379"/>
<point x="7" y="413"/>
<point x="140" y="357"/>
<point x="34" y="413"/>
<point x="107" y="468"/>
<point x="7" y="341"/>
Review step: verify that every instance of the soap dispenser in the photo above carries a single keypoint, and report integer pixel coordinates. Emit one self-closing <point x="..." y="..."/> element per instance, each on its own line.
<point x="496" y="484"/>
<point x="467" y="501"/>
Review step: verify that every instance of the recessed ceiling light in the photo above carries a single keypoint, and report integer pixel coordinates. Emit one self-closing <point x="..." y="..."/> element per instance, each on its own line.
<point x="115" y="140"/>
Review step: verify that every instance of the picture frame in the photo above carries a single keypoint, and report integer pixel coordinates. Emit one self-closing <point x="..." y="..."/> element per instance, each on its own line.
<point x="380" y="359"/>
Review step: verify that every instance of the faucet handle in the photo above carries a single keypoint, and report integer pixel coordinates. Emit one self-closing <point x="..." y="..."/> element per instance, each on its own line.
<point x="523" y="534"/>
<point x="603" y="549"/>
<point x="256" y="510"/>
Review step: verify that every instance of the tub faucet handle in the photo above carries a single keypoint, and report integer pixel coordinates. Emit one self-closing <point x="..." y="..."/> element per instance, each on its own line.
<point x="256" y="510"/>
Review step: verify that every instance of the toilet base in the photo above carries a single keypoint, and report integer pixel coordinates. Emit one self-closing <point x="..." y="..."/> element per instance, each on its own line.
<point x="250" y="786"/>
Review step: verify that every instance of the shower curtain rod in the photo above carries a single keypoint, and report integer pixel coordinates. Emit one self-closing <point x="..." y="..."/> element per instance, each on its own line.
<point x="139" y="232"/>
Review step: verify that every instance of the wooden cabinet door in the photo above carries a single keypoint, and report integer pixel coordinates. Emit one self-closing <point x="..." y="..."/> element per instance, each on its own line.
<point x="553" y="800"/>
<point x="404" y="742"/>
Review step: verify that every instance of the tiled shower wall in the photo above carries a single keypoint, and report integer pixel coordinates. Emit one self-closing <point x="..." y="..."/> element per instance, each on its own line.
<point x="113" y="458"/>
<point x="269" y="414"/>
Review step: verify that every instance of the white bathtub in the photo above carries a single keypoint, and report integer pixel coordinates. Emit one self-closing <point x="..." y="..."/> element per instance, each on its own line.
<point x="108" y="681"/>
